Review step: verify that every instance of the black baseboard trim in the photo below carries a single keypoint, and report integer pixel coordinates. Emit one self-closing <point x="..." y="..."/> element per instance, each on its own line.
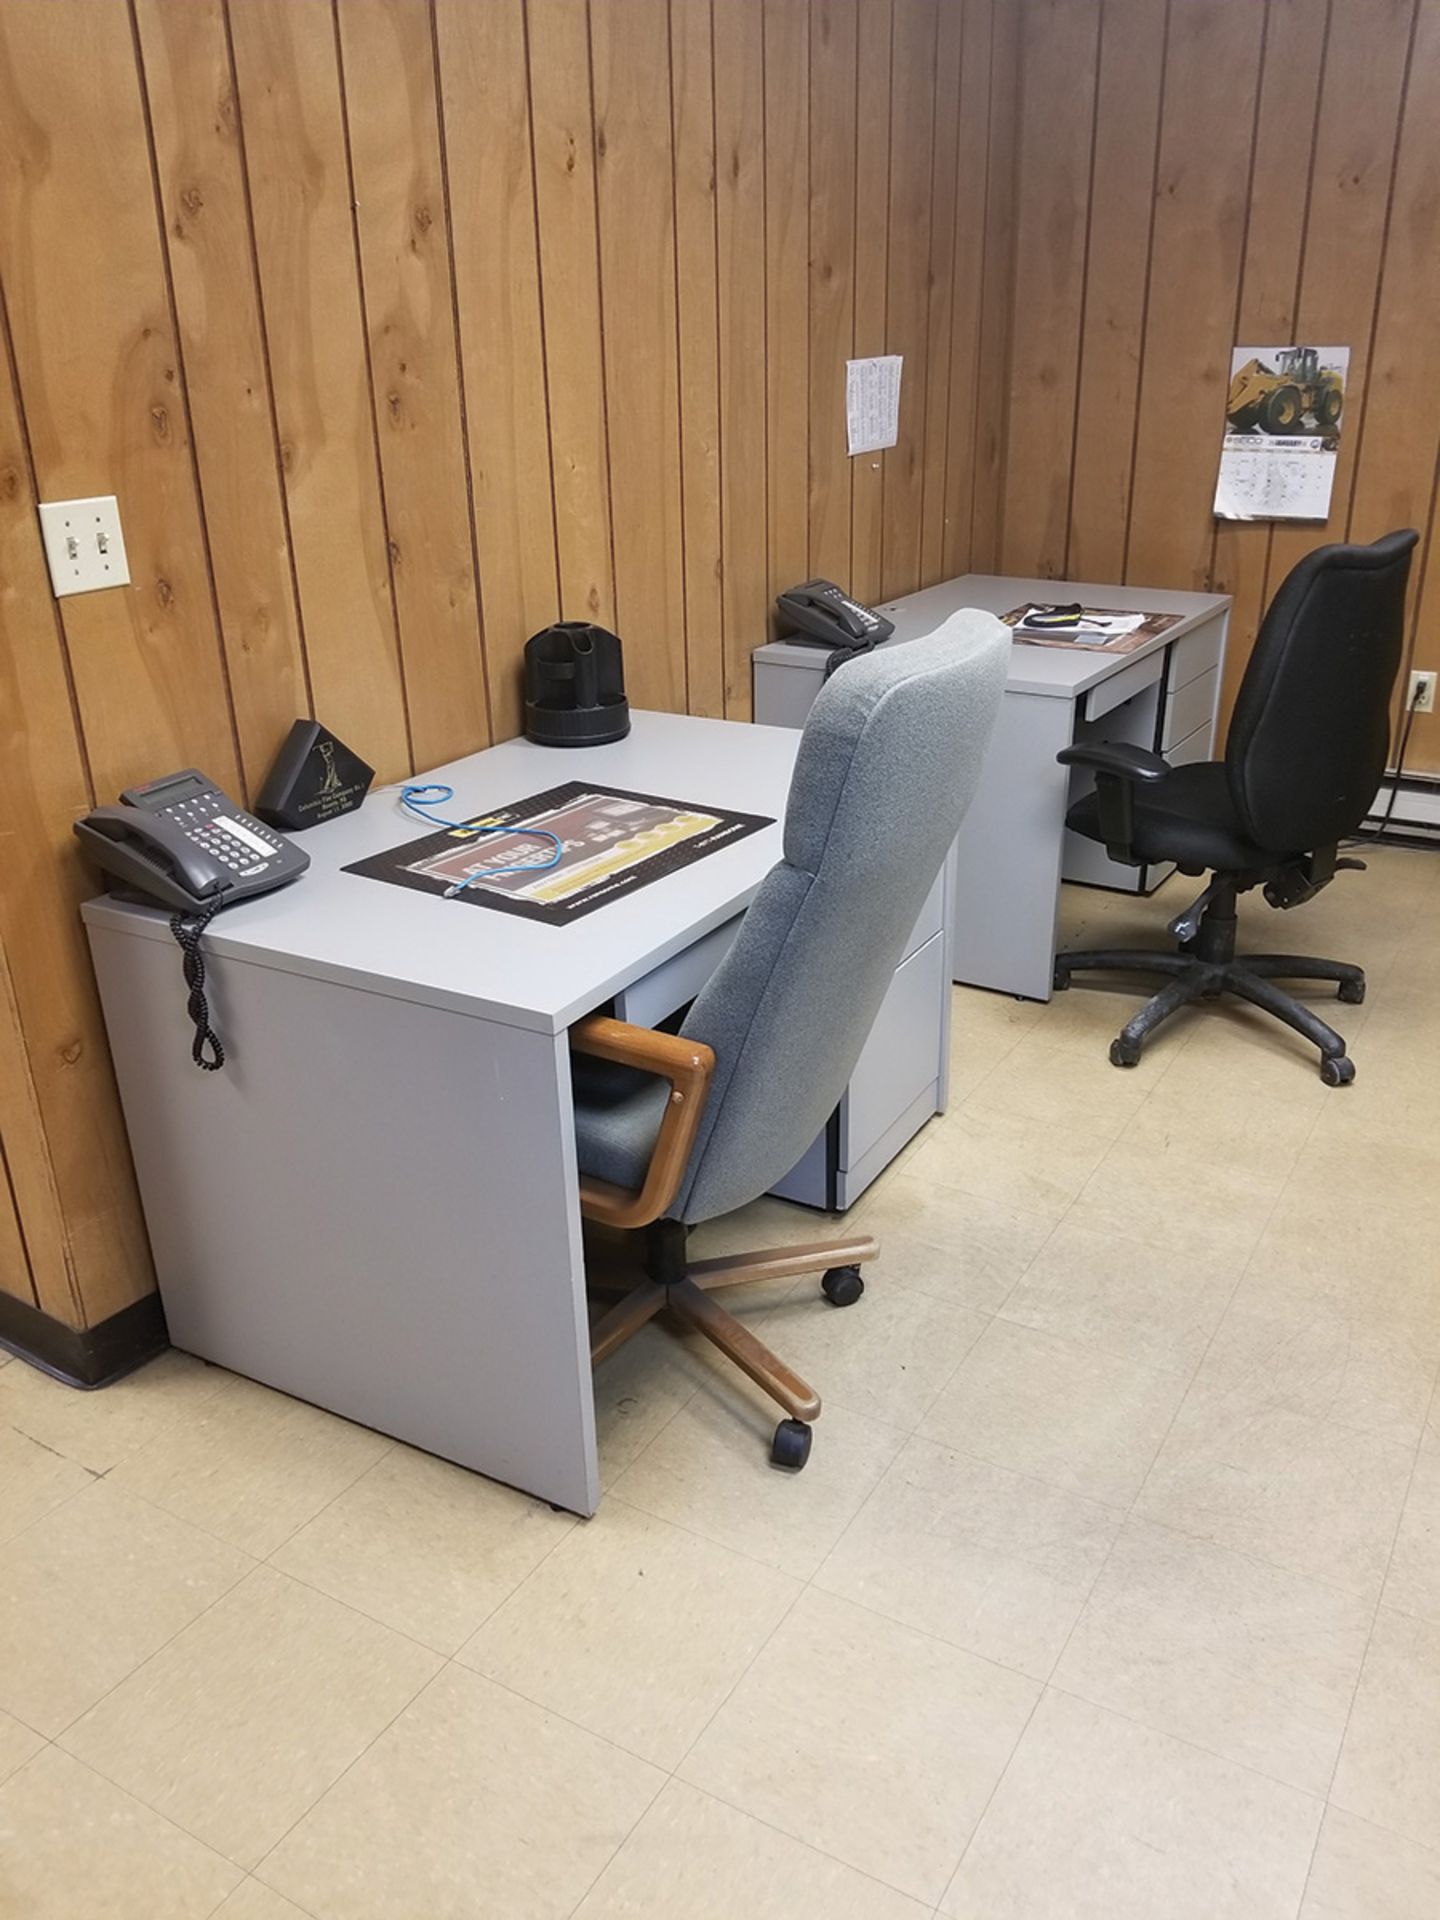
<point x="85" y="1357"/>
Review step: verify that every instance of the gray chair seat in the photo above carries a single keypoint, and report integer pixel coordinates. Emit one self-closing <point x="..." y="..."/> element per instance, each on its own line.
<point x="618" y="1111"/>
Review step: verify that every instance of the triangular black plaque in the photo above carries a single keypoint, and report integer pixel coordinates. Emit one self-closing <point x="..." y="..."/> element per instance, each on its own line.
<point x="315" y="778"/>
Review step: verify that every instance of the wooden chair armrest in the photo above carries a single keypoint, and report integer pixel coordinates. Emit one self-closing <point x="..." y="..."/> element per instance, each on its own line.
<point x="688" y="1066"/>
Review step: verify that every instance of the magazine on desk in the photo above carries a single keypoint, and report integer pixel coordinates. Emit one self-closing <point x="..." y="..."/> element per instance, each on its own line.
<point x="1042" y="623"/>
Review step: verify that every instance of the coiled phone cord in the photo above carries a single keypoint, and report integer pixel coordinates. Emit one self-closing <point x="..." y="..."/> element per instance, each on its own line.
<point x="188" y="929"/>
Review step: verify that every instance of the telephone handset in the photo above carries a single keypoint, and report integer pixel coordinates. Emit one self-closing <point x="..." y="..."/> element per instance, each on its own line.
<point x="819" y="610"/>
<point x="181" y="843"/>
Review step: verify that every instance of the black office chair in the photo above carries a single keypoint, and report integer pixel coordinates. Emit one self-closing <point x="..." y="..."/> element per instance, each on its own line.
<point x="1304" y="759"/>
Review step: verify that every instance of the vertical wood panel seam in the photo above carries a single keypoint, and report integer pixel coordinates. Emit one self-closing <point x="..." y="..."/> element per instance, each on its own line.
<point x="1011" y="271"/>
<point x="889" y="191"/>
<point x="370" y="379"/>
<point x="446" y="202"/>
<point x="600" y="314"/>
<point x="1413" y="637"/>
<point x="1145" y="302"/>
<point x="7" y="340"/>
<point x="167" y="276"/>
<point x="679" y="381"/>
<point x="1084" y="291"/>
<point x="1244" y="243"/>
<point x="540" y="300"/>
<point x="281" y="488"/>
<point x="855" y="263"/>
<point x="722" y="579"/>
<point x="1384" y="249"/>
<point x="964" y="6"/>
<point x="1303" y="250"/>
<point x="765" y="279"/>
<point x="924" y="448"/>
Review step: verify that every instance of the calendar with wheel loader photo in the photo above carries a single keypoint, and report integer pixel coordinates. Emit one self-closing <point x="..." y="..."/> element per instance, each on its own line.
<point x="1277" y="399"/>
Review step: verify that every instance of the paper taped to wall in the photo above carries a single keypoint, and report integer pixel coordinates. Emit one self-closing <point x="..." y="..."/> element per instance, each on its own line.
<point x="872" y="402"/>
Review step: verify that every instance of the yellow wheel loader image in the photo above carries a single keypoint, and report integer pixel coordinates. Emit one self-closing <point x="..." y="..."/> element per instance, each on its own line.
<point x="1277" y="399"/>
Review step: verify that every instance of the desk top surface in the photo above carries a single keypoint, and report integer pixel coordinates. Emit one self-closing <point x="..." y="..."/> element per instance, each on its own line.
<point x="343" y="927"/>
<point x="1061" y="672"/>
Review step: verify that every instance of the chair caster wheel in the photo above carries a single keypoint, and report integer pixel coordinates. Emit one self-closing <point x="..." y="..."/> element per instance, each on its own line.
<point x="1338" y="1071"/>
<point x="1352" y="992"/>
<point x="791" y="1445"/>
<point x="1061" y="978"/>
<point x="842" y="1286"/>
<point x="1123" y="1052"/>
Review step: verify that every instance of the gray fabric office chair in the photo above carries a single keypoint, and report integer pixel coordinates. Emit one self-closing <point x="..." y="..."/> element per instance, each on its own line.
<point x="675" y="1129"/>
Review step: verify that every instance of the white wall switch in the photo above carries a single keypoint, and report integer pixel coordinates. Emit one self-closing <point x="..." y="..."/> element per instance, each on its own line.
<point x="84" y="544"/>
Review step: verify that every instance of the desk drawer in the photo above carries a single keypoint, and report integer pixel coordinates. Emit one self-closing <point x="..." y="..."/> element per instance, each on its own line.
<point x="1124" y="685"/>
<point x="647" y="1001"/>
<point x="1196" y="653"/>
<point x="932" y="917"/>
<point x="1195" y="746"/>
<point x="1188" y="708"/>
<point x="902" y="1055"/>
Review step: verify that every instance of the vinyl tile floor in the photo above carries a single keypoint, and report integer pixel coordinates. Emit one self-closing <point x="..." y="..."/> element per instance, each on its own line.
<point x="1112" y="1588"/>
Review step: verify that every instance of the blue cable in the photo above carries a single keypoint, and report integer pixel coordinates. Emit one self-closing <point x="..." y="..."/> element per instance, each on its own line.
<point x="412" y="800"/>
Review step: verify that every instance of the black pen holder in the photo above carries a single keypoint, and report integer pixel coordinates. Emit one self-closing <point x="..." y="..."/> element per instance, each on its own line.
<point x="575" y="686"/>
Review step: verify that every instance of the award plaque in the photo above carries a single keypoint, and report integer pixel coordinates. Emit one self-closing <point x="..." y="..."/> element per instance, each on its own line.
<point x="315" y="778"/>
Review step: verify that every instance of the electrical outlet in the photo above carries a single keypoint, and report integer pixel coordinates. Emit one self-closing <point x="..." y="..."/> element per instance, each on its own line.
<point x="1421" y="697"/>
<point x="83" y="544"/>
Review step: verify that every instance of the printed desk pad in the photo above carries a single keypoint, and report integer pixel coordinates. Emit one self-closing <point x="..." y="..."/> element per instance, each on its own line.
<point x="611" y="843"/>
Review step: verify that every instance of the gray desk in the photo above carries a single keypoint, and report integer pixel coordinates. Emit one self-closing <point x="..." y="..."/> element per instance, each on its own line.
<point x="374" y="1207"/>
<point x="1014" y="847"/>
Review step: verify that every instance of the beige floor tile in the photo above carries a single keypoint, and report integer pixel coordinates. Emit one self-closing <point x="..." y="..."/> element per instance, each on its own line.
<point x="954" y="1246"/>
<point x="696" y="1859"/>
<point x="474" y="1803"/>
<point x="1009" y="1158"/>
<point x="1199" y="1114"/>
<point x="94" y="1590"/>
<point x="878" y="1745"/>
<point x="639" y="1390"/>
<point x="1413" y="1582"/>
<point x="252" y="1901"/>
<point x="633" y="1629"/>
<point x="251" y="1466"/>
<point x="1140" y="1302"/>
<point x="33" y="1481"/>
<point x="1221" y="1650"/>
<point x="710" y="1471"/>
<point x="766" y="1222"/>
<point x="1076" y="1418"/>
<point x="1259" y="1052"/>
<point x="1391" y="1166"/>
<point x="73" y="1845"/>
<point x="1100" y="1819"/>
<point x="17" y="1744"/>
<point x="1050" y="1085"/>
<point x="1361" y="1872"/>
<point x="984" y="1559"/>
<point x="245" y="1718"/>
<point x="100" y="1429"/>
<point x="1304" y="1494"/>
<point x="1389" y="1770"/>
<point x="887" y="1357"/>
<point x="1212" y="1215"/>
<point x="1337" y="1359"/>
<point x="426" y="1547"/>
<point x="1377" y="1263"/>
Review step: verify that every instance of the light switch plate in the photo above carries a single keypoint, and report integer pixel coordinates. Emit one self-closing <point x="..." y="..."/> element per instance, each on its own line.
<point x="83" y="544"/>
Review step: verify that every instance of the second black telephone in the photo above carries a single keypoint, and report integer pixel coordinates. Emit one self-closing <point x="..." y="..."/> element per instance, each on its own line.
<point x="819" y="610"/>
<point x="180" y="842"/>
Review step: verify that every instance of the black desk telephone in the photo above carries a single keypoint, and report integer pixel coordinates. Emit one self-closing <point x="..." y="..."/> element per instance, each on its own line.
<point x="180" y="842"/>
<point x="818" y="610"/>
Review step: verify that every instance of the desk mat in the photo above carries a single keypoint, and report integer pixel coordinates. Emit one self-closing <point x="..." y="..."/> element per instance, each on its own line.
<point x="612" y="842"/>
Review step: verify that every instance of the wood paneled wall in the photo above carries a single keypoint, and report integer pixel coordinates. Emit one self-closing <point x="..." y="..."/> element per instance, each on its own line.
<point x="400" y="329"/>
<point x="1200" y="173"/>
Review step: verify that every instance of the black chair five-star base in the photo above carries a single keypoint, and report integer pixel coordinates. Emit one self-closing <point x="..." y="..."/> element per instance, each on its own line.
<point x="1305" y="757"/>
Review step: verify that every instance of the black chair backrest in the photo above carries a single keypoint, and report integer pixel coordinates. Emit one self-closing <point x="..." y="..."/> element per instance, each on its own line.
<point x="1310" y="735"/>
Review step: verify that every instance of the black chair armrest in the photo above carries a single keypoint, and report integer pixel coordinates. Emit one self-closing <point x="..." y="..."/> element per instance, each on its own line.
<point x="1117" y="768"/>
<point x="1115" y="757"/>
